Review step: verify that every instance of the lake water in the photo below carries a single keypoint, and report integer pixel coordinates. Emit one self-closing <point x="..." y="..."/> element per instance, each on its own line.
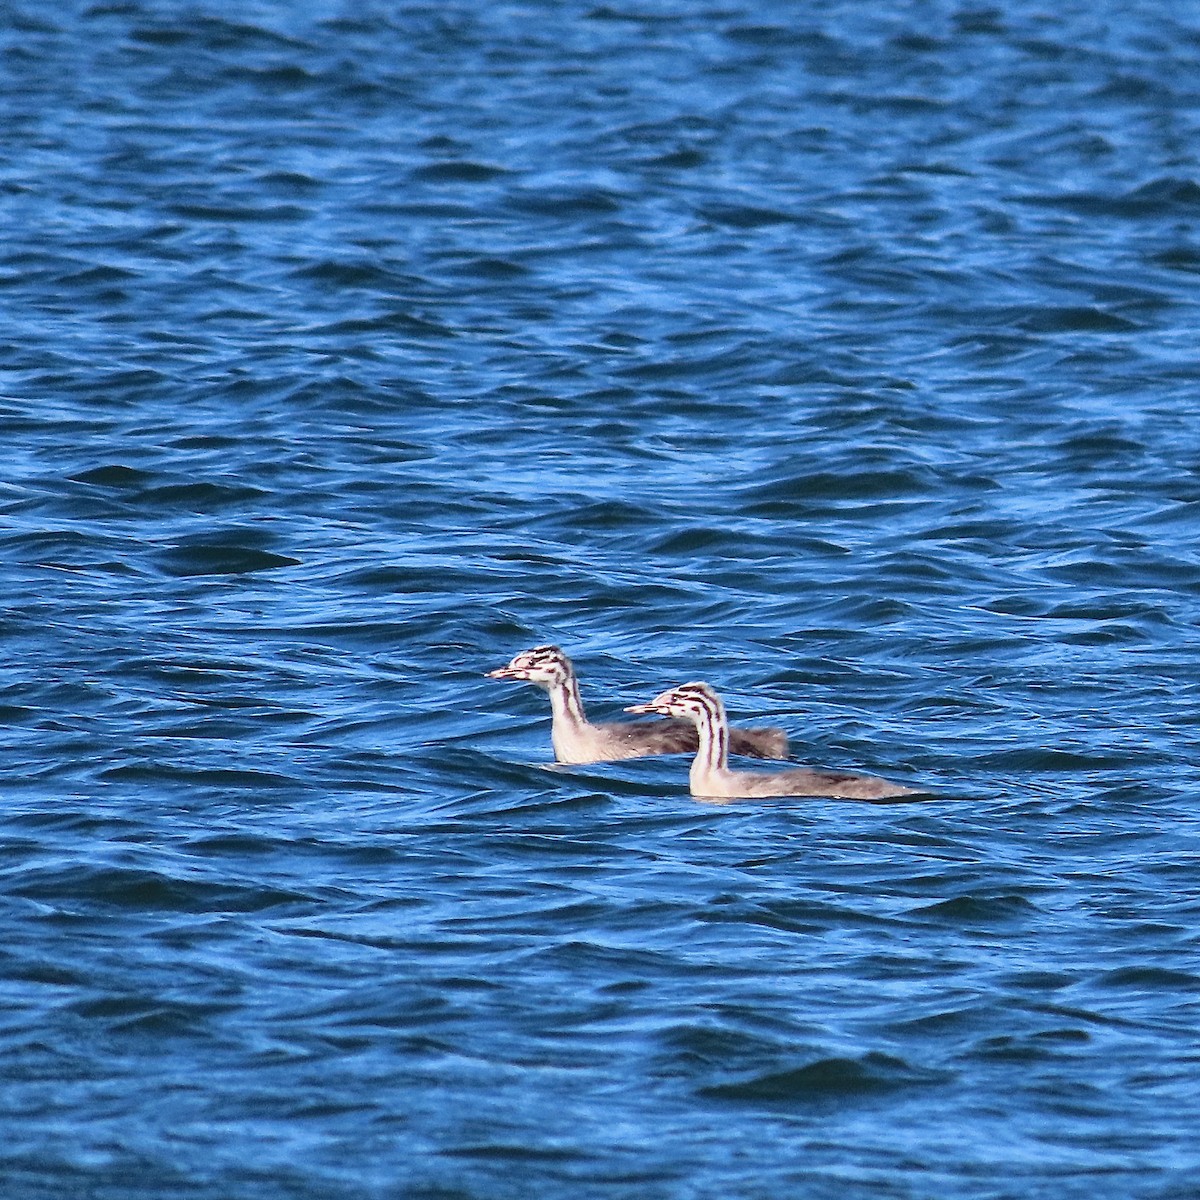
<point x="842" y="355"/>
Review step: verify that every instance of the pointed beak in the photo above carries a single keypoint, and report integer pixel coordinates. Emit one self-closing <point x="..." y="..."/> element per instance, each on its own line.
<point x="508" y="672"/>
<point x="652" y="707"/>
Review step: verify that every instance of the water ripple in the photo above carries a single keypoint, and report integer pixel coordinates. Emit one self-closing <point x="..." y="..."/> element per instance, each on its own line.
<point x="843" y="357"/>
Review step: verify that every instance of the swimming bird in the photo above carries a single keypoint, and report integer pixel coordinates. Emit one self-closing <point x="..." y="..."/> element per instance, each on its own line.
<point x="577" y="740"/>
<point x="711" y="777"/>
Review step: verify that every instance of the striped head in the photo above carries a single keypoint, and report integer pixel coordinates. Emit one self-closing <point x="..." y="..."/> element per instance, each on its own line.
<point x="695" y="702"/>
<point x="547" y="666"/>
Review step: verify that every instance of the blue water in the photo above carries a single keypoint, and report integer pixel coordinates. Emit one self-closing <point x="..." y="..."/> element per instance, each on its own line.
<point x="842" y="355"/>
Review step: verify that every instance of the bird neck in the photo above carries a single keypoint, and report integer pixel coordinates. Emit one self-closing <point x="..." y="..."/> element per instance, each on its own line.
<point x="712" y="754"/>
<point x="566" y="705"/>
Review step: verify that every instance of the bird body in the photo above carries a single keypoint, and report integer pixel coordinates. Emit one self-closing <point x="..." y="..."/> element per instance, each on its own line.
<point x="711" y="777"/>
<point x="577" y="740"/>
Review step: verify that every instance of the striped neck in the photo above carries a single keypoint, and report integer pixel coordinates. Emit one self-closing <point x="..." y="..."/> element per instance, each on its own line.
<point x="566" y="705"/>
<point x="712" y="755"/>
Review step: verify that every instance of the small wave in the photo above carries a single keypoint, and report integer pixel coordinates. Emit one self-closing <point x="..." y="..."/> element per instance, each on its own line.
<point x="829" y="1079"/>
<point x="1046" y="1045"/>
<point x="975" y="910"/>
<point x="1166" y="196"/>
<point x="219" y="556"/>
<point x="1075" y="319"/>
<point x="566" y="204"/>
<point x="1152" y="979"/>
<point x="459" y="171"/>
<point x="138" y="889"/>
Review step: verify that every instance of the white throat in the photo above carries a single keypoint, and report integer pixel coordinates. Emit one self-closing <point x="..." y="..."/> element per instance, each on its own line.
<point x="568" y="724"/>
<point x="712" y="755"/>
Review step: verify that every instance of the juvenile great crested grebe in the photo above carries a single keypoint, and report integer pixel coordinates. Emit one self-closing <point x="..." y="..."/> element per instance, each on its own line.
<point x="710" y="774"/>
<point x="576" y="740"/>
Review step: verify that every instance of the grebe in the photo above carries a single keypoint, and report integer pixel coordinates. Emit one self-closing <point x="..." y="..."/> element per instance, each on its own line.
<point x="710" y="774"/>
<point x="576" y="740"/>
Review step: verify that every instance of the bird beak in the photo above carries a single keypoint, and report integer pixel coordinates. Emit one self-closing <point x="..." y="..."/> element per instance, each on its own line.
<point x="646" y="708"/>
<point x="508" y="672"/>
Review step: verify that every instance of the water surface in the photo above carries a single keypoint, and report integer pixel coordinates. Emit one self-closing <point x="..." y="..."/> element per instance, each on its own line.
<point x="841" y="355"/>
